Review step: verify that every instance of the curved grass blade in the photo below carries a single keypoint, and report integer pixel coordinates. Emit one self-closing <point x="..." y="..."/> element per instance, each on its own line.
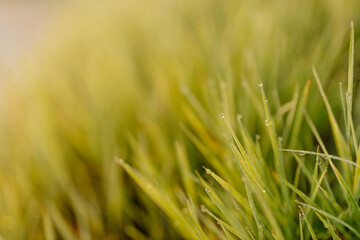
<point x="339" y="139"/>
<point x="316" y="210"/>
<point x="162" y="200"/>
<point x="219" y="221"/>
<point x="328" y="226"/>
<point x="303" y="152"/>
<point x="345" y="188"/>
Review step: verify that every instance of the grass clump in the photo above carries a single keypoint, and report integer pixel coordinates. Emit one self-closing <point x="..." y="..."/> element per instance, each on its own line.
<point x="187" y="120"/>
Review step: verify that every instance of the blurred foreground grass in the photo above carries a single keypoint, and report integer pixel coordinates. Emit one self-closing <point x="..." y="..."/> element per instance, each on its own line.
<point x="164" y="88"/>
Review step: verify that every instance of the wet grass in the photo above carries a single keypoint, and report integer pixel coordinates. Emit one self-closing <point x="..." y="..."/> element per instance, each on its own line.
<point x="187" y="120"/>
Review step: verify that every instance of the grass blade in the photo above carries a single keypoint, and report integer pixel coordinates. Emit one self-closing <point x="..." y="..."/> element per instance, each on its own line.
<point x="316" y="210"/>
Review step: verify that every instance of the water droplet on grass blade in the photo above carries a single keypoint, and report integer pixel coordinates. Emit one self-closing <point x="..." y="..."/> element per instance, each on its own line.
<point x="260" y="84"/>
<point x="348" y="95"/>
<point x="222" y="115"/>
<point x="119" y="160"/>
<point x="301" y="153"/>
<point x="267" y="122"/>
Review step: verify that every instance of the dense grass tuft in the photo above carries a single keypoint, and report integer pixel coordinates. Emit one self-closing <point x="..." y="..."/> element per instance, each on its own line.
<point x="187" y="120"/>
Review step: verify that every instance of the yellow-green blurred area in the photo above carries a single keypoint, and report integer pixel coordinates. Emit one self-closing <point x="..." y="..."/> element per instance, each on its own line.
<point x="129" y="79"/>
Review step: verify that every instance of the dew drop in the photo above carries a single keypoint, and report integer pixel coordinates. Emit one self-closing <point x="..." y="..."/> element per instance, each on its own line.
<point x="263" y="191"/>
<point x="208" y="171"/>
<point x="260" y="84"/>
<point x="267" y="122"/>
<point x="318" y="161"/>
<point x="260" y="228"/>
<point x="301" y="153"/>
<point x="239" y="117"/>
<point x="119" y="160"/>
<point x="222" y="115"/>
<point x="301" y="216"/>
<point x="207" y="190"/>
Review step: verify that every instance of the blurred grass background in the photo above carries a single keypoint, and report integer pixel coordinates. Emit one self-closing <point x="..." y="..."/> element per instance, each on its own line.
<point x="127" y="78"/>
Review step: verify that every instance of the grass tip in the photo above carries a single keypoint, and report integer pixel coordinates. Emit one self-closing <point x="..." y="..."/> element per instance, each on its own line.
<point x="119" y="160"/>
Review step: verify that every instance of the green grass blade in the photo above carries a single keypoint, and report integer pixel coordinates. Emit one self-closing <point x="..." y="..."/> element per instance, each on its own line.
<point x="299" y="115"/>
<point x="185" y="168"/>
<point x="219" y="221"/>
<point x="311" y="230"/>
<point x="300" y="226"/>
<point x="49" y="230"/>
<point x="339" y="139"/>
<point x="278" y="159"/>
<point x="349" y="94"/>
<point x="229" y="188"/>
<point x="328" y="226"/>
<point x="61" y="225"/>
<point x="195" y="221"/>
<point x="163" y="201"/>
<point x="316" y="210"/>
<point x="297" y="191"/>
<point x="346" y="190"/>
<point x="259" y="224"/>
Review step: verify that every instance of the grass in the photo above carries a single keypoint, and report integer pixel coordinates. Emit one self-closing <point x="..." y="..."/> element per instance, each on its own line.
<point x="187" y="120"/>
